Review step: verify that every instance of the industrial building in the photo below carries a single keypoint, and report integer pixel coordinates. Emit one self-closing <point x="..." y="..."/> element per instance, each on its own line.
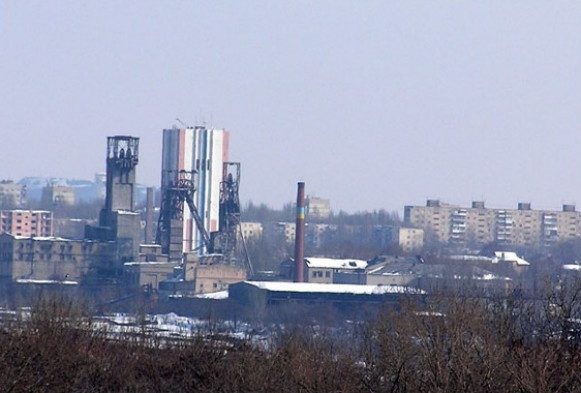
<point x="201" y="153"/>
<point x="477" y="225"/>
<point x="118" y="221"/>
<point x="27" y="223"/>
<point x="259" y="294"/>
<point x="51" y="258"/>
<point x="324" y="270"/>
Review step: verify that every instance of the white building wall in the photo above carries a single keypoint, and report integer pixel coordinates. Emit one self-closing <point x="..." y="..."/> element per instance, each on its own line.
<point x="204" y="151"/>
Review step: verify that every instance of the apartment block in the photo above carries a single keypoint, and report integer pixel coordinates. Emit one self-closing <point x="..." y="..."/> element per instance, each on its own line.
<point x="318" y="207"/>
<point x="411" y="239"/>
<point x="251" y="230"/>
<point x="54" y="194"/>
<point x="27" y="223"/>
<point x="477" y="225"/>
<point x="12" y="194"/>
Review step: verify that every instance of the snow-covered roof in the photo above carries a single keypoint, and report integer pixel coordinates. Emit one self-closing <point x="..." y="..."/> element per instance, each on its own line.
<point x="214" y="295"/>
<point x="27" y="281"/>
<point x="330" y="263"/>
<point x="127" y="212"/>
<point x="474" y="258"/>
<point x="25" y="211"/>
<point x="572" y="267"/>
<point x="509" y="256"/>
<point x="149" y="263"/>
<point x="42" y="238"/>
<point x="280" y="286"/>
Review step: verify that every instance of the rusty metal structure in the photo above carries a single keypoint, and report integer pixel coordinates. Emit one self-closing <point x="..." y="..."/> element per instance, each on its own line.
<point x="179" y="194"/>
<point x="169" y="228"/>
<point x="229" y="210"/>
<point x="226" y="240"/>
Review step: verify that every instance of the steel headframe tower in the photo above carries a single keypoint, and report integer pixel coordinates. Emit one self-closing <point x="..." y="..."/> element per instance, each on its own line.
<point x="230" y="228"/>
<point x="229" y="210"/>
<point x="170" y="224"/>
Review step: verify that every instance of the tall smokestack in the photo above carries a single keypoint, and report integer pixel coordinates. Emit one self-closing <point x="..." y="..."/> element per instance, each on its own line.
<point x="149" y="216"/>
<point x="300" y="235"/>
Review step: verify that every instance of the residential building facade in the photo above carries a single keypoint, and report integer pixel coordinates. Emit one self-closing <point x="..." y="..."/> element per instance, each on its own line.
<point x="12" y="194"/>
<point x="27" y="223"/>
<point x="477" y="225"/>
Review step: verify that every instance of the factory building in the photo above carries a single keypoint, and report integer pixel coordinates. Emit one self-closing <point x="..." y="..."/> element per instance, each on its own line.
<point x="27" y="223"/>
<point x="202" y="153"/>
<point x="50" y="258"/>
<point x="118" y="221"/>
<point x="477" y="225"/>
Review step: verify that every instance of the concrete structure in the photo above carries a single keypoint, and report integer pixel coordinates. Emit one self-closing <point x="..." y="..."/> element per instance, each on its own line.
<point x="287" y="229"/>
<point x="323" y="270"/>
<point x="151" y="253"/>
<point x="57" y="195"/>
<point x="318" y="208"/>
<point x="71" y="228"/>
<point x="478" y="225"/>
<point x="206" y="274"/>
<point x="202" y="151"/>
<point x="315" y="234"/>
<point x="251" y="231"/>
<point x="411" y="239"/>
<point x="27" y="223"/>
<point x="12" y="194"/>
<point x="118" y="220"/>
<point x="148" y="274"/>
<point x="49" y="258"/>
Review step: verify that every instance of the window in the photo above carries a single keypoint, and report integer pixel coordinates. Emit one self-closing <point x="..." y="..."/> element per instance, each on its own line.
<point x="327" y="274"/>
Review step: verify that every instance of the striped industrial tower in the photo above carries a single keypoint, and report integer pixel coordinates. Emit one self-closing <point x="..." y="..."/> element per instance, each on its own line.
<point x="202" y="151"/>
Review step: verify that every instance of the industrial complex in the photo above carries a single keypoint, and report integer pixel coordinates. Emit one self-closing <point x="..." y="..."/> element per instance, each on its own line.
<point x="191" y="241"/>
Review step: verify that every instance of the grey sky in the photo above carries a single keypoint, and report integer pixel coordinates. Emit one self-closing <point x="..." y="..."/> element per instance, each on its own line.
<point x="374" y="104"/>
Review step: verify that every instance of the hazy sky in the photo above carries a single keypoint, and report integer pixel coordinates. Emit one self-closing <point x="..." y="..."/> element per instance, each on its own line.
<point x="374" y="104"/>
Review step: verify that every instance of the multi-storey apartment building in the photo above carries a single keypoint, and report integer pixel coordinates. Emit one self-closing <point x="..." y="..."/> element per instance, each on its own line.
<point x="12" y="194"/>
<point x="478" y="225"/>
<point x="318" y="207"/>
<point x="251" y="230"/>
<point x="27" y="223"/>
<point x="54" y="194"/>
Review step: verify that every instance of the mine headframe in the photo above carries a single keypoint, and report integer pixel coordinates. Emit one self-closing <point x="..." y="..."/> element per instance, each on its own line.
<point x="179" y="192"/>
<point x="229" y="211"/>
<point x="229" y="218"/>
